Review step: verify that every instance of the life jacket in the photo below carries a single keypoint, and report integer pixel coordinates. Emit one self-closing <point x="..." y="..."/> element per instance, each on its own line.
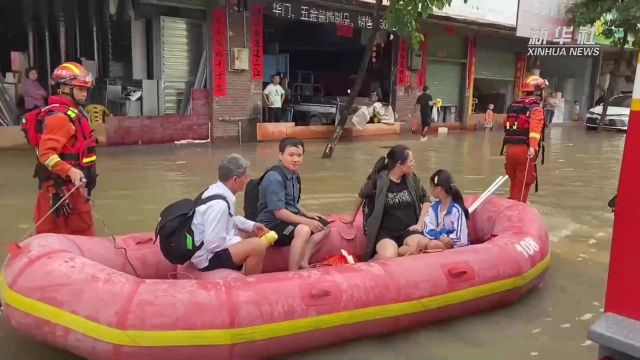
<point x="81" y="154"/>
<point x="517" y="124"/>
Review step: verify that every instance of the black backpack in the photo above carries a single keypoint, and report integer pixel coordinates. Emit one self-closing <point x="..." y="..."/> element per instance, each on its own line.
<point x="174" y="228"/>
<point x="252" y="192"/>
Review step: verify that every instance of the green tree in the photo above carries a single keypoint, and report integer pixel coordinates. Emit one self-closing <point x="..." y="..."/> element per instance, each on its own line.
<point x="620" y="25"/>
<point x="405" y="18"/>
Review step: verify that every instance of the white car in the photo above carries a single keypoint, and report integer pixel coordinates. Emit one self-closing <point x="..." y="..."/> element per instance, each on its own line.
<point x="617" y="114"/>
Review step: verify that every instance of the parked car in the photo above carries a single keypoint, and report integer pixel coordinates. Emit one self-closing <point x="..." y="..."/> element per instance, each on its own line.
<point x="617" y="114"/>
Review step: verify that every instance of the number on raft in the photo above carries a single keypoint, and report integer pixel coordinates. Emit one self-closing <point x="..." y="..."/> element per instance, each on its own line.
<point x="527" y="247"/>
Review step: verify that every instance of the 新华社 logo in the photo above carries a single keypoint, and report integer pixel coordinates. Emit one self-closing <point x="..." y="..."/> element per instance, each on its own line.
<point x="564" y="42"/>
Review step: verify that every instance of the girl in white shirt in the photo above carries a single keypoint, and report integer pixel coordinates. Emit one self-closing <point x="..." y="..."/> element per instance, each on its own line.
<point x="446" y="222"/>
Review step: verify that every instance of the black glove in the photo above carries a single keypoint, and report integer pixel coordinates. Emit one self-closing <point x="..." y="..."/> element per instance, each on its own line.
<point x="65" y="208"/>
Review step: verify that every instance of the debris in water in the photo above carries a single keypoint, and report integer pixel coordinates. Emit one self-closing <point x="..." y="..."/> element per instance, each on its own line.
<point x="579" y="258"/>
<point x="549" y="319"/>
<point x="586" y="317"/>
<point x="534" y="353"/>
<point x="602" y="310"/>
<point x="587" y="343"/>
<point x="560" y="160"/>
<point x="181" y="162"/>
<point x="179" y="142"/>
<point x="593" y="250"/>
<point x="592" y="241"/>
<point x="601" y="234"/>
<point x="536" y="331"/>
<point x="583" y="255"/>
<point x="596" y="303"/>
<point x="23" y="226"/>
<point x="565" y="326"/>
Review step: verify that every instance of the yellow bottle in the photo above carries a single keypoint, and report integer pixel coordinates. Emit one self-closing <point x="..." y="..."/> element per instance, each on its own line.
<point x="270" y="238"/>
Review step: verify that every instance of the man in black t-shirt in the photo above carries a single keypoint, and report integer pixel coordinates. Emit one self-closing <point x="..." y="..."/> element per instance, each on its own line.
<point x="426" y="107"/>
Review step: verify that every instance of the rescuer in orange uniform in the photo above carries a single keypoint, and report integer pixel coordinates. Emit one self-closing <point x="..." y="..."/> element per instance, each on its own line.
<point x="65" y="146"/>
<point x="523" y="131"/>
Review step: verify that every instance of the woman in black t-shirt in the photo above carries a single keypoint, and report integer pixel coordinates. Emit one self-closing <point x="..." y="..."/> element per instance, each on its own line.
<point x="395" y="205"/>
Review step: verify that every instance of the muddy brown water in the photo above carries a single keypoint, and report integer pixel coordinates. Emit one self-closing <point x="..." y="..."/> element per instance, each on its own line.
<point x="579" y="177"/>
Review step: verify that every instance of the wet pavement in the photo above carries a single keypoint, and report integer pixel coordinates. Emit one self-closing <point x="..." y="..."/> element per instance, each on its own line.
<point x="578" y="178"/>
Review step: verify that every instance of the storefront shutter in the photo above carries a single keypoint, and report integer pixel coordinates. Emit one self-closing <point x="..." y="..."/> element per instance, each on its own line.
<point x="495" y="64"/>
<point x="444" y="79"/>
<point x="182" y="45"/>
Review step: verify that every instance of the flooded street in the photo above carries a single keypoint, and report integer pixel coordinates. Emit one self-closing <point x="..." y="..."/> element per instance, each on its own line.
<point x="579" y="177"/>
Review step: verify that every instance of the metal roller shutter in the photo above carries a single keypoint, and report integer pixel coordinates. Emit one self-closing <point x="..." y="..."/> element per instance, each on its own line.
<point x="444" y="79"/>
<point x="495" y="64"/>
<point x="181" y="50"/>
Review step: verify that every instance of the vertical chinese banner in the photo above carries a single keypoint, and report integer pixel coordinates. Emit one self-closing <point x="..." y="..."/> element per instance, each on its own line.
<point x="219" y="49"/>
<point x="521" y="61"/>
<point x="403" y="53"/>
<point x="471" y="70"/>
<point x="257" y="42"/>
<point x="422" y="75"/>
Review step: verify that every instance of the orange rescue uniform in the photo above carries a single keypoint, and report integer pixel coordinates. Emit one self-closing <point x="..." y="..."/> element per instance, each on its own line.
<point x="521" y="170"/>
<point x="59" y="131"/>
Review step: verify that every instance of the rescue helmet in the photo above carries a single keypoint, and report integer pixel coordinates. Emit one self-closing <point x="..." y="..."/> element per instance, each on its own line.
<point x="533" y="82"/>
<point x="71" y="73"/>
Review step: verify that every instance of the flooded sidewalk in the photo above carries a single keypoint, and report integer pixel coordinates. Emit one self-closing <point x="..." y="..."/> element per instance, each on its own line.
<point x="579" y="176"/>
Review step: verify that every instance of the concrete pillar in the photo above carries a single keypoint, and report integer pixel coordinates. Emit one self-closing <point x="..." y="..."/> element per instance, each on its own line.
<point x="139" y="49"/>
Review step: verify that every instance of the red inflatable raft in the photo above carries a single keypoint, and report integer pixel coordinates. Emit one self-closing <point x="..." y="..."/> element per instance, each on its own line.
<point x="83" y="294"/>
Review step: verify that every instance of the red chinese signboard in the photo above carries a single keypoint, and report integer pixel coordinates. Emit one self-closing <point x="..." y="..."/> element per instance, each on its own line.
<point x="257" y="42"/>
<point x="403" y="56"/>
<point x="471" y="65"/>
<point x="422" y="75"/>
<point x="219" y="53"/>
<point x="471" y="70"/>
<point x="521" y="63"/>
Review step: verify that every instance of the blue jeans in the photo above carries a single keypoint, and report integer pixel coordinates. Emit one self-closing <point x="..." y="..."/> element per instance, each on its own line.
<point x="548" y="115"/>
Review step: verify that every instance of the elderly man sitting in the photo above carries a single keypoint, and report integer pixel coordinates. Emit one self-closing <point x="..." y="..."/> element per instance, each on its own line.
<point x="215" y="225"/>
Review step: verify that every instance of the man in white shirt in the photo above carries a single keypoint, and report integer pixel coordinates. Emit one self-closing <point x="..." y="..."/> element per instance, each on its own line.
<point x="215" y="224"/>
<point x="273" y="96"/>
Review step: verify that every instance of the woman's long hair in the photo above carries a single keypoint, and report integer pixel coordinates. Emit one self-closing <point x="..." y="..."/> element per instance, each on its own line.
<point x="443" y="179"/>
<point x="398" y="154"/>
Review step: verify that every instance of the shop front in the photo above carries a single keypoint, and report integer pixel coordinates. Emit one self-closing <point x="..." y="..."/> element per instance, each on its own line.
<point x="317" y="52"/>
<point x="316" y="49"/>
<point x="495" y="72"/>
<point x="446" y="64"/>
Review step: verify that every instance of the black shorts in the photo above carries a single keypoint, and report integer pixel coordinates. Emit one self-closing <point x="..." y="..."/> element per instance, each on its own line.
<point x="425" y="119"/>
<point x="397" y="237"/>
<point x="221" y="260"/>
<point x="274" y="114"/>
<point x="286" y="231"/>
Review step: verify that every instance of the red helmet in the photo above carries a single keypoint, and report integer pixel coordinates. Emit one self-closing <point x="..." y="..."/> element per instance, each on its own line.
<point x="71" y="73"/>
<point x="533" y="83"/>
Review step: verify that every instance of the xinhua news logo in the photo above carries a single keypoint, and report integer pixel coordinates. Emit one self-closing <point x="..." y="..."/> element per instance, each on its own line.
<point x="563" y="45"/>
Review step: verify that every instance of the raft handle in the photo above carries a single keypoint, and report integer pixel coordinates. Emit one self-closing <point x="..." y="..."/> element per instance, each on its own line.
<point x="460" y="272"/>
<point x="143" y="241"/>
<point x="319" y="293"/>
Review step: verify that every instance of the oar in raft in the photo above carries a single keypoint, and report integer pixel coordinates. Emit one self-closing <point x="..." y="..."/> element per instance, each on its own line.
<point x="496" y="184"/>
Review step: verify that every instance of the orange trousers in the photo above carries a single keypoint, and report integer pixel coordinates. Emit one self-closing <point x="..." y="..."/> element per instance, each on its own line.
<point x="521" y="175"/>
<point x="79" y="222"/>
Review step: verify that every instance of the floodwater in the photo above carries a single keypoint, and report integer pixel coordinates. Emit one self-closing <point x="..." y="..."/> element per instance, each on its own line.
<point x="579" y="177"/>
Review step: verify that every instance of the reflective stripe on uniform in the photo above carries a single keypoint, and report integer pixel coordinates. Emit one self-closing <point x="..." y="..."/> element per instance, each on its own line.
<point x="72" y="113"/>
<point x="89" y="159"/>
<point x="52" y="161"/>
<point x="534" y="135"/>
